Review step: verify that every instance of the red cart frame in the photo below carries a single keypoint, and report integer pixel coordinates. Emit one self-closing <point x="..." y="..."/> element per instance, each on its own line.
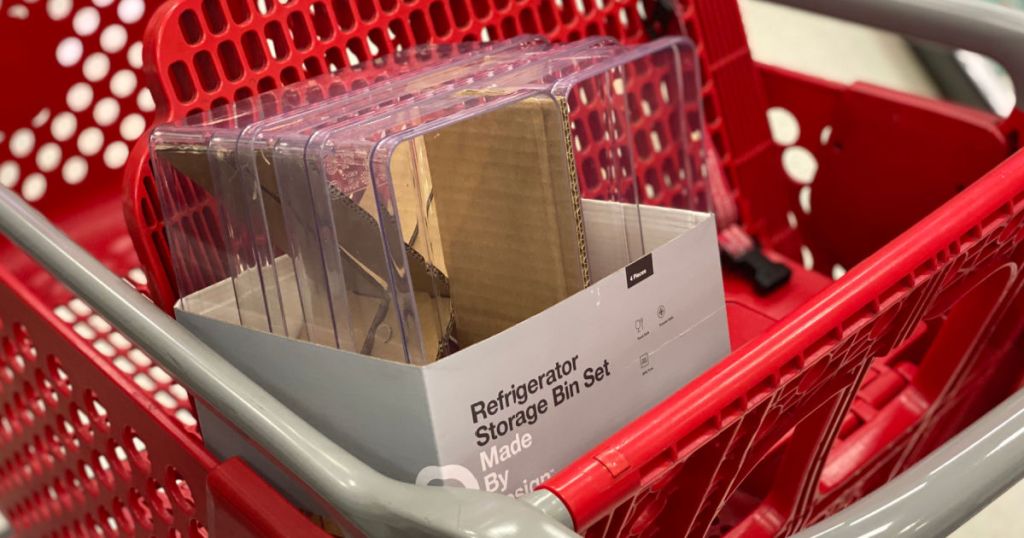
<point x="834" y="387"/>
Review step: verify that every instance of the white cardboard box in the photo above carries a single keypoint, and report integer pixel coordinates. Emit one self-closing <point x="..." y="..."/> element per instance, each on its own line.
<point x="506" y="413"/>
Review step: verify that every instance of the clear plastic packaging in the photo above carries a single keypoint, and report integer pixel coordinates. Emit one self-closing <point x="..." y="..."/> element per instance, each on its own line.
<point x="272" y="149"/>
<point x="432" y="209"/>
<point x="199" y="158"/>
<point x="478" y="185"/>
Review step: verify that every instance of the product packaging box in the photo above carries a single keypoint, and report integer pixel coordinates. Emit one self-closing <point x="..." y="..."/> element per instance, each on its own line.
<point x="446" y="269"/>
<point x="508" y="412"/>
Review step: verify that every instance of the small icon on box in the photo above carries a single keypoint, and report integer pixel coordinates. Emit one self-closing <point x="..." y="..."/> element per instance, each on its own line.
<point x="640" y="326"/>
<point x="645" y="361"/>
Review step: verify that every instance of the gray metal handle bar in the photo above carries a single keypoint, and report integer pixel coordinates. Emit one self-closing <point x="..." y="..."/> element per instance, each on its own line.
<point x="347" y="488"/>
<point x="993" y="30"/>
<point x="946" y="488"/>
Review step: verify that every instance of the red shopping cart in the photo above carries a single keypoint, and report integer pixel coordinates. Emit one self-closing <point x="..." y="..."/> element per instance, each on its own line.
<point x="834" y="387"/>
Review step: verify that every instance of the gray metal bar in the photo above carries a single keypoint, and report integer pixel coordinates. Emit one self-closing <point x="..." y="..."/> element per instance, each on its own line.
<point x="945" y="489"/>
<point x="993" y="30"/>
<point x="348" y="489"/>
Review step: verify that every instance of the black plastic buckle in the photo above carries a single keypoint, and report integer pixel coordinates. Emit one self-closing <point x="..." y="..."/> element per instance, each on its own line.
<point x="766" y="275"/>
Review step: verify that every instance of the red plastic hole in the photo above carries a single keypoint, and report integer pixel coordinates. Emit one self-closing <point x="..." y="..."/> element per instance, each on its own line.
<point x="123" y="516"/>
<point x="207" y="71"/>
<point x="482" y="9"/>
<point x="137" y="452"/>
<point x="179" y="490"/>
<point x="119" y="459"/>
<point x="418" y="22"/>
<point x="460" y="13"/>
<point x="311" y="66"/>
<point x="11" y="414"/>
<point x="253" y="49"/>
<point x="54" y="443"/>
<point x="7" y="427"/>
<point x="34" y="459"/>
<point x="439" y="18"/>
<point x="66" y="429"/>
<point x="181" y="80"/>
<point x="74" y="486"/>
<point x="239" y="10"/>
<point x="346" y="17"/>
<point x="157" y="497"/>
<point x="58" y="375"/>
<point x="43" y="452"/>
<point x="196" y="530"/>
<point x="214" y="15"/>
<point x="277" y="43"/>
<point x="63" y="499"/>
<point x="107" y="522"/>
<point x="299" y="30"/>
<point x="97" y="413"/>
<point x="321" y="21"/>
<point x="266" y="84"/>
<point x="103" y="468"/>
<point x="397" y="27"/>
<point x="89" y="479"/>
<point x="25" y="415"/>
<point x="230" y="62"/>
<point x="93" y="528"/>
<point x="140" y="509"/>
<point x="289" y="75"/>
<point x="82" y="423"/>
<point x="8" y="353"/>
<point x="191" y="29"/>
<point x="47" y="389"/>
<point x="527" y="22"/>
<point x="23" y="341"/>
<point x="35" y="402"/>
<point x="265" y="6"/>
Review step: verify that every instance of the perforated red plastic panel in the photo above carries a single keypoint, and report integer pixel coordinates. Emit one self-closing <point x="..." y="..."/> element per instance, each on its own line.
<point x="73" y="98"/>
<point x="81" y="455"/>
<point x="95" y="440"/>
<point x="73" y="104"/>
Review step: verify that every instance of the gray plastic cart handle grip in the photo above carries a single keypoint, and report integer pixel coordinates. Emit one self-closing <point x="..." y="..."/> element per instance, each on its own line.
<point x="990" y="29"/>
<point x="348" y="489"/>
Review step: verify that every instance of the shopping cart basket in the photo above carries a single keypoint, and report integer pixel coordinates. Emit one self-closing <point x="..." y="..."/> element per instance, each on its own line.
<point x="834" y="388"/>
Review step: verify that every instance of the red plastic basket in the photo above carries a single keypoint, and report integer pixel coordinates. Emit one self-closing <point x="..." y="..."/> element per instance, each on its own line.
<point x="834" y="387"/>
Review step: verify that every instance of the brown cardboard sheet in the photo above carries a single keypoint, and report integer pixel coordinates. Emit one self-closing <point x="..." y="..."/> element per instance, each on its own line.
<point x="508" y="215"/>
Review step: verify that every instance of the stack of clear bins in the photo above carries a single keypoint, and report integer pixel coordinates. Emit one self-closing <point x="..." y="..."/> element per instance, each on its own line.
<point x="425" y="201"/>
